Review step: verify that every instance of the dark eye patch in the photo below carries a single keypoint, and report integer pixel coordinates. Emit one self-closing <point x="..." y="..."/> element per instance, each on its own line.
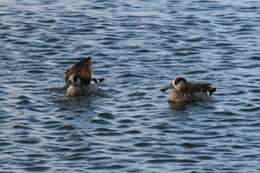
<point x="177" y="80"/>
<point x="75" y="78"/>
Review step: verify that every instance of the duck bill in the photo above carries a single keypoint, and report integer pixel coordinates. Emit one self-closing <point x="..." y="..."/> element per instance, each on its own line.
<point x="164" y="88"/>
<point x="66" y="86"/>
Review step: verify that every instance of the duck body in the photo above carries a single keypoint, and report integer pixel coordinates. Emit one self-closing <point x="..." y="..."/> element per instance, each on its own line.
<point x="84" y="90"/>
<point x="78" y="79"/>
<point x="194" y="93"/>
<point x="186" y="92"/>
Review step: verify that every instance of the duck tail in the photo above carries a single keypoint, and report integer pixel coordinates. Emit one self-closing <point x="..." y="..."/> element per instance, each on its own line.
<point x="98" y="80"/>
<point x="212" y="90"/>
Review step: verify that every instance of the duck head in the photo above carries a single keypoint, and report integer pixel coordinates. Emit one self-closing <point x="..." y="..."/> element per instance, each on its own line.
<point x="179" y="85"/>
<point x="74" y="85"/>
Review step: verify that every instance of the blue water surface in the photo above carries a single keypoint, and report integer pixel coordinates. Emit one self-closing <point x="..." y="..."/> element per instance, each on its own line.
<point x="137" y="46"/>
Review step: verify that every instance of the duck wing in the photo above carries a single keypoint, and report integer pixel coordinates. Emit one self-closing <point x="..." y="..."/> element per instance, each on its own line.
<point x="200" y="87"/>
<point x="82" y="68"/>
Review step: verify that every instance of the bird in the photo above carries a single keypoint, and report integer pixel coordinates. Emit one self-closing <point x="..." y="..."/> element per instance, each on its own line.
<point x="82" y="68"/>
<point x="187" y="92"/>
<point x="78" y="79"/>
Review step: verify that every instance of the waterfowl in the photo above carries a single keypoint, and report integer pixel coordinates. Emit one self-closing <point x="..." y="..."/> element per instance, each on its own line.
<point x="82" y="68"/>
<point x="78" y="79"/>
<point x="186" y="92"/>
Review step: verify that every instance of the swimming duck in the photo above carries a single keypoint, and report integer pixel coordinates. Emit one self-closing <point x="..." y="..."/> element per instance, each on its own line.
<point x="82" y="68"/>
<point x="79" y="79"/>
<point x="186" y="92"/>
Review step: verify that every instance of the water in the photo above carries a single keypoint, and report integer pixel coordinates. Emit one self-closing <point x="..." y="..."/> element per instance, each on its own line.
<point x="137" y="46"/>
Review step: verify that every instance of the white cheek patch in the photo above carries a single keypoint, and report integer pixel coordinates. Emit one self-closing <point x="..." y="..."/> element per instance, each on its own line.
<point x="173" y="84"/>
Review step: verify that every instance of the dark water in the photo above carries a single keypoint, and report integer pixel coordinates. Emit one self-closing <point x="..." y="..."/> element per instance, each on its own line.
<point x="138" y="46"/>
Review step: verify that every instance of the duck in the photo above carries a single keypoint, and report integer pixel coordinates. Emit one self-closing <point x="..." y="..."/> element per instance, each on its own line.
<point x="82" y="68"/>
<point x="78" y="79"/>
<point x="187" y="92"/>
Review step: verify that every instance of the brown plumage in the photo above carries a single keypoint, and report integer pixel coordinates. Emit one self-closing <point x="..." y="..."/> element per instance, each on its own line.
<point x="193" y="88"/>
<point x="79" y="79"/>
<point x="77" y="88"/>
<point x="82" y="68"/>
<point x="185" y="92"/>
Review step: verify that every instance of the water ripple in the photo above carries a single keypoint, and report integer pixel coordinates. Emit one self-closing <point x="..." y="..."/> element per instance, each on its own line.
<point x="137" y="46"/>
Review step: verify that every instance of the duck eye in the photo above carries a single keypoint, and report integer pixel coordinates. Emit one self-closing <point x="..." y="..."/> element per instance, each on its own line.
<point x="75" y="78"/>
